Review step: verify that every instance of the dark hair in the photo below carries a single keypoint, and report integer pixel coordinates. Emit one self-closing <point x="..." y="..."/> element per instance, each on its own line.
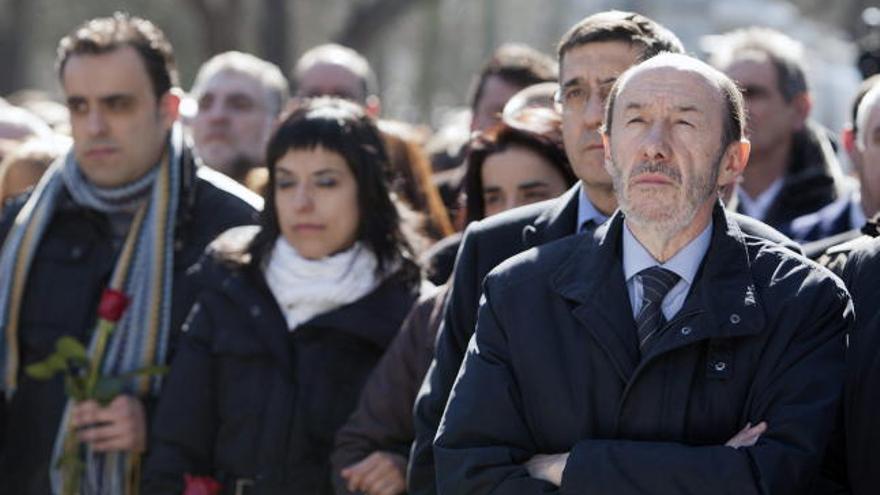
<point x="627" y="27"/>
<point x="106" y="34"/>
<point x="538" y="129"/>
<point x="412" y="179"/>
<point x="342" y="127"/>
<point x="516" y="64"/>
<point x="733" y="123"/>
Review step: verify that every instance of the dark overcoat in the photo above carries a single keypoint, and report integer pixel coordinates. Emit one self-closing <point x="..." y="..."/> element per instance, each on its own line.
<point x="554" y="367"/>
<point x="249" y="403"/>
<point x="485" y="245"/>
<point x="856" y="455"/>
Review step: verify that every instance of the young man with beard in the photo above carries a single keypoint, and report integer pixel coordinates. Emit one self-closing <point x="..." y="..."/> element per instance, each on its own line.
<point x="592" y="54"/>
<point x="667" y="352"/>
<point x="125" y="209"/>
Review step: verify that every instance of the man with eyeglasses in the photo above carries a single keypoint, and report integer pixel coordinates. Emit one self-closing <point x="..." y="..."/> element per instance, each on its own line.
<point x="592" y="54"/>
<point x="239" y="97"/>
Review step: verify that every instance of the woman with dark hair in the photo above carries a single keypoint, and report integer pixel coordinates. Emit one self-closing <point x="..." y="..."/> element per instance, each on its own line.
<point x="519" y="161"/>
<point x="412" y="181"/>
<point x="293" y="315"/>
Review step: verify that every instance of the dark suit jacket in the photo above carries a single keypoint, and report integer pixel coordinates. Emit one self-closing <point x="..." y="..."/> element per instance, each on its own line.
<point x="554" y="367"/>
<point x="831" y="220"/>
<point x="859" y="262"/>
<point x="486" y="244"/>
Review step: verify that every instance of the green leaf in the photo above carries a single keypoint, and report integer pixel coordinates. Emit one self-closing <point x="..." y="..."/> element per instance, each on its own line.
<point x="56" y="362"/>
<point x="40" y="370"/>
<point x="74" y="387"/>
<point x="71" y="348"/>
<point x="107" y="388"/>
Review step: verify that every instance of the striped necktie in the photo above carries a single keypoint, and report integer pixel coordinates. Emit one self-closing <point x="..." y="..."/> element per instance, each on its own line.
<point x="656" y="283"/>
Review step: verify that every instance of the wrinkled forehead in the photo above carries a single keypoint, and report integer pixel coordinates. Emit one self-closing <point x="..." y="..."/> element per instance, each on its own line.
<point x="233" y="82"/>
<point x="330" y="79"/>
<point x="673" y="85"/>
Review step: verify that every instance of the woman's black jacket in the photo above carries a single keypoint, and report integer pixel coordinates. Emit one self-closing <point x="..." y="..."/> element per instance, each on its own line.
<point x="252" y="405"/>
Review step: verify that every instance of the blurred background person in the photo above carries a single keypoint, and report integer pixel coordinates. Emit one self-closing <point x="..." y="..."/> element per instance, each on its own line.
<point x="843" y="219"/>
<point x="292" y="317"/>
<point x="516" y="162"/>
<point x="238" y="98"/>
<point x="511" y="68"/>
<point x="17" y="125"/>
<point x="41" y="104"/>
<point x="792" y="168"/>
<point x="21" y="169"/>
<point x="411" y="176"/>
<point x="540" y="95"/>
<point x="336" y="70"/>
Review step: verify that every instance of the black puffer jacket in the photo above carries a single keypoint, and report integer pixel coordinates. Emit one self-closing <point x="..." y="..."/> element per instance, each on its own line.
<point x="248" y="402"/>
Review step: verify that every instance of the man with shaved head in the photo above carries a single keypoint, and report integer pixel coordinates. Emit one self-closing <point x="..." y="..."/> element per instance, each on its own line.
<point x="667" y="351"/>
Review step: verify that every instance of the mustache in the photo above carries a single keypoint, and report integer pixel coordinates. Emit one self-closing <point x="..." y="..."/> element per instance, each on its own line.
<point x="656" y="168"/>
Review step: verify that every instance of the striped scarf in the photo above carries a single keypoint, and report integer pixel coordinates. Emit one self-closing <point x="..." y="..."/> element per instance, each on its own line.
<point x="143" y="271"/>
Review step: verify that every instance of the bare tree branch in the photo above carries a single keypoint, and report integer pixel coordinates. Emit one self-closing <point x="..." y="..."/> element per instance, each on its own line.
<point x="221" y="21"/>
<point x="366" y="19"/>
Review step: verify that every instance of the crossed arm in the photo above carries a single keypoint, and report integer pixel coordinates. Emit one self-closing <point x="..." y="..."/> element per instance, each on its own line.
<point x="485" y="445"/>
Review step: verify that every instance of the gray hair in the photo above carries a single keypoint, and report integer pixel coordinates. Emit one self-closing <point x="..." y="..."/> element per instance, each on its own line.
<point x="785" y="53"/>
<point x="267" y="74"/>
<point x="334" y="54"/>
<point x="866" y="107"/>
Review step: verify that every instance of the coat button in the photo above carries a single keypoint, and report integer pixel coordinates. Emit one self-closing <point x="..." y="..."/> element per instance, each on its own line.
<point x="255" y="311"/>
<point x="76" y="252"/>
<point x="720" y="366"/>
<point x="734" y="318"/>
<point x="686" y="331"/>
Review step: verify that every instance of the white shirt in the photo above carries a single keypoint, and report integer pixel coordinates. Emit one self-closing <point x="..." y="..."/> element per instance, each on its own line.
<point x="757" y="207"/>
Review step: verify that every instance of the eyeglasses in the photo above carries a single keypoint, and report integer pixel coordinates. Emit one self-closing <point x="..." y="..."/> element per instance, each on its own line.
<point x="574" y="98"/>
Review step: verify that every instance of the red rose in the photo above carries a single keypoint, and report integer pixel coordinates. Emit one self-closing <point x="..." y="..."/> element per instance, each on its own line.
<point x="200" y="485"/>
<point x="112" y="305"/>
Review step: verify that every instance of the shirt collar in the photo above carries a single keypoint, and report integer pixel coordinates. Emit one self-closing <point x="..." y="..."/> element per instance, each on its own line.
<point x="587" y="211"/>
<point x="685" y="263"/>
<point x="757" y="207"/>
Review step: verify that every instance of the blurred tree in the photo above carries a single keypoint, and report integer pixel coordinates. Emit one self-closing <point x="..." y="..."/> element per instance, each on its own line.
<point x="275" y="44"/>
<point x="16" y="21"/>
<point x="220" y="24"/>
<point x="367" y="19"/>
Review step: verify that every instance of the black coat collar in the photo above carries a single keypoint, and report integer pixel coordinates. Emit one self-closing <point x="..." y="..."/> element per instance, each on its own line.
<point x="555" y="222"/>
<point x="723" y="302"/>
<point x="375" y="318"/>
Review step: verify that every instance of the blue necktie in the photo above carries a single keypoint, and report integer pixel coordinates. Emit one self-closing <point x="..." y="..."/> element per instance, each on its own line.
<point x="656" y="283"/>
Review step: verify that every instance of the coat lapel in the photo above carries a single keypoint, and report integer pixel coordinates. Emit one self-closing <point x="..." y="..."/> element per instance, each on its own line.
<point x="723" y="302"/>
<point x="592" y="279"/>
<point x="555" y="222"/>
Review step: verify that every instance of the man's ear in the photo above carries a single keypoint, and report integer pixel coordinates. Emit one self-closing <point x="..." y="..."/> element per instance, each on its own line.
<point x="606" y="144"/>
<point x="848" y="139"/>
<point x="169" y="106"/>
<point x="734" y="161"/>
<point x="802" y="104"/>
<point x="373" y="106"/>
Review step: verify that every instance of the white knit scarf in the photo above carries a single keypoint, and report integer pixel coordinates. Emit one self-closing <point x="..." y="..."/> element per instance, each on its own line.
<point x="307" y="288"/>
